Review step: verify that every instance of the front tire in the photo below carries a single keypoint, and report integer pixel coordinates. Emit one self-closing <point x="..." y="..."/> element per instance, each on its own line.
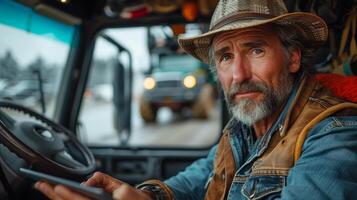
<point x="148" y="111"/>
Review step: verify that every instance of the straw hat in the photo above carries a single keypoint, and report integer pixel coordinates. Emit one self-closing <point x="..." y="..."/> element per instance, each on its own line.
<point x="237" y="14"/>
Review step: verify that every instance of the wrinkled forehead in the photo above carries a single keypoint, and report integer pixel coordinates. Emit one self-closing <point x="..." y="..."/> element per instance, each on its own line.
<point x="258" y="33"/>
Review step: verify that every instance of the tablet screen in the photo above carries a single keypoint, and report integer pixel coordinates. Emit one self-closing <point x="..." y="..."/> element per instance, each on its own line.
<point x="92" y="192"/>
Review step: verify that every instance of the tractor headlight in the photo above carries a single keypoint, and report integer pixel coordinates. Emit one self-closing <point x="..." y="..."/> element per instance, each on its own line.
<point x="189" y="81"/>
<point x="149" y="83"/>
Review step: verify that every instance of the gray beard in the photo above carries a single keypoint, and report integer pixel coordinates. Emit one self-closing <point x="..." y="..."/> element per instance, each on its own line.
<point x="247" y="110"/>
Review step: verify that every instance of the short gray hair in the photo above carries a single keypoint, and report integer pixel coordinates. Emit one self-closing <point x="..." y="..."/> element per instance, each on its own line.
<point x="212" y="62"/>
<point x="291" y="38"/>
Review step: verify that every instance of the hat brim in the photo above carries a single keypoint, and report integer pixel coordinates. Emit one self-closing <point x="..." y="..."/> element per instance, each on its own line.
<point x="313" y="28"/>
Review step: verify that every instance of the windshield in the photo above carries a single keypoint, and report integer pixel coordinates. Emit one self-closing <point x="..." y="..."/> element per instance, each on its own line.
<point x="178" y="63"/>
<point x="33" y="55"/>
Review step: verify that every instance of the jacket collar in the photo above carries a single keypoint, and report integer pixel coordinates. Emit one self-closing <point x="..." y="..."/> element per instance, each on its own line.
<point x="304" y="91"/>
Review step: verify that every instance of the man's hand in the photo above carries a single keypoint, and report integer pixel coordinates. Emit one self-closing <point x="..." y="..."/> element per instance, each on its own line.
<point x="101" y="180"/>
<point x="118" y="189"/>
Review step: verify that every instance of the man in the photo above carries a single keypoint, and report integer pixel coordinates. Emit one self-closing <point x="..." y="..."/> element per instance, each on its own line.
<point x="289" y="138"/>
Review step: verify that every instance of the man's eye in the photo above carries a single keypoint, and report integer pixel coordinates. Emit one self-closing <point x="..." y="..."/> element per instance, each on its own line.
<point x="225" y="57"/>
<point x="257" y="51"/>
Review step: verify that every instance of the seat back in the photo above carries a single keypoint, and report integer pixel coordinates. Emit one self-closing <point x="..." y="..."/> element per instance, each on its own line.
<point x="344" y="87"/>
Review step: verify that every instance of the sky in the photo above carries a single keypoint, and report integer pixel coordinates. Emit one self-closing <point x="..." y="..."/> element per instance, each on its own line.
<point x="135" y="40"/>
<point x="27" y="47"/>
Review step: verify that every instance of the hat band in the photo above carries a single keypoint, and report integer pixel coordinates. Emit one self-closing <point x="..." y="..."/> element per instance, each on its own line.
<point x="240" y="16"/>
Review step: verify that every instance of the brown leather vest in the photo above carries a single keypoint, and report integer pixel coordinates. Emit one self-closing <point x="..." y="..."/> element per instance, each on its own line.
<point x="311" y="100"/>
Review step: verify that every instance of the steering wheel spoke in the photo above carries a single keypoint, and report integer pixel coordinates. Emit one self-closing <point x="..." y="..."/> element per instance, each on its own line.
<point x="62" y="136"/>
<point x="66" y="159"/>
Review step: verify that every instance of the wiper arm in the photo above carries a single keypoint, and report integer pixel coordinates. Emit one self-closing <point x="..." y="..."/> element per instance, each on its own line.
<point x="40" y="87"/>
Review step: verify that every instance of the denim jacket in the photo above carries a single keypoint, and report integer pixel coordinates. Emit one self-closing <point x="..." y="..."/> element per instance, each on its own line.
<point x="325" y="169"/>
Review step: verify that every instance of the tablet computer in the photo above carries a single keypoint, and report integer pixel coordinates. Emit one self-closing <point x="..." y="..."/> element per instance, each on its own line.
<point x="92" y="192"/>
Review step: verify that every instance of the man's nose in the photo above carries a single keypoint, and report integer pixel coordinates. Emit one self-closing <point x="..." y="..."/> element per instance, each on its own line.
<point x="241" y="70"/>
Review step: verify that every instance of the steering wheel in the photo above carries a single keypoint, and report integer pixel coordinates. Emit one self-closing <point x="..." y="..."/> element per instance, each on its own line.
<point x="45" y="145"/>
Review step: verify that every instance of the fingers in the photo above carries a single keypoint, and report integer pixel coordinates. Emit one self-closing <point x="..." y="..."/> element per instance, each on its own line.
<point x="108" y="183"/>
<point x="47" y="190"/>
<point x="66" y="193"/>
<point x="126" y="192"/>
<point x="97" y="179"/>
<point x="58" y="192"/>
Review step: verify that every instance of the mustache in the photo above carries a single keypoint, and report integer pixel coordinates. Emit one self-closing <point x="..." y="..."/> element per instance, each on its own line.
<point x="245" y="87"/>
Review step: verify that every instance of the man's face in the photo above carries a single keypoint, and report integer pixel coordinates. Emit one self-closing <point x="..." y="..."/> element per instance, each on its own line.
<point x="254" y="71"/>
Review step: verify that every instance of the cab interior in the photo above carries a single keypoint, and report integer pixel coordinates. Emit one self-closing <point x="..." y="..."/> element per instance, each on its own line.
<point x="90" y="86"/>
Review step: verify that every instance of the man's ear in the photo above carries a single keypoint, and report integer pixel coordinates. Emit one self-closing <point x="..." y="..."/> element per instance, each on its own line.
<point x="295" y="60"/>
